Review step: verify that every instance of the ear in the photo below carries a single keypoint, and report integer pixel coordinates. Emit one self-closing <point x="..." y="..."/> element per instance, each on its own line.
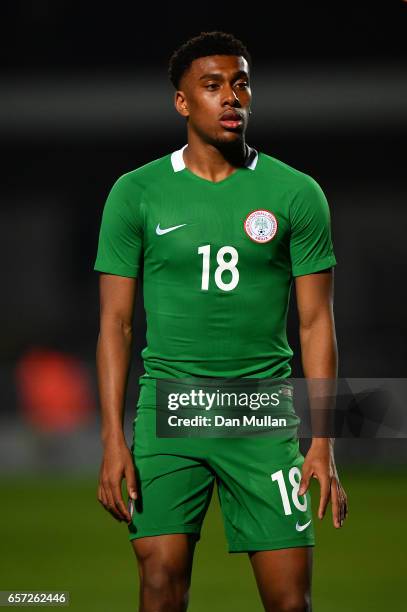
<point x="180" y="103"/>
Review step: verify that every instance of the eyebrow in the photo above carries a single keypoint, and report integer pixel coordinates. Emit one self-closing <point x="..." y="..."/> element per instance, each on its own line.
<point x="218" y="75"/>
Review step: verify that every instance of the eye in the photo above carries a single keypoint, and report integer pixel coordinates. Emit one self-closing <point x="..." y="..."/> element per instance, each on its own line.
<point x="243" y="84"/>
<point x="211" y="85"/>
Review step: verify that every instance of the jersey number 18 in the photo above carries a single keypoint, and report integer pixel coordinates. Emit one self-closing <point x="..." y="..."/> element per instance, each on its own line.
<point x="223" y="265"/>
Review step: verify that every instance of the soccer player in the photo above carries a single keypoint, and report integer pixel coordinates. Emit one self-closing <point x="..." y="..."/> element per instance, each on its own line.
<point x="218" y="232"/>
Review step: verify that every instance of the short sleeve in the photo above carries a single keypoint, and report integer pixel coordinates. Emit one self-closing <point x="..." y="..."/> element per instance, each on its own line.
<point x="311" y="247"/>
<point x="120" y="236"/>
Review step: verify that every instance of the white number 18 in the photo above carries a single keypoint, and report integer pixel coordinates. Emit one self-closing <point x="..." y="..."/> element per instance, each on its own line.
<point x="294" y="476"/>
<point x="222" y="266"/>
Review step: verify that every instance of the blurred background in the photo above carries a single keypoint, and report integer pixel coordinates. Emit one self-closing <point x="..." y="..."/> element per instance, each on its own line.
<point x="85" y="97"/>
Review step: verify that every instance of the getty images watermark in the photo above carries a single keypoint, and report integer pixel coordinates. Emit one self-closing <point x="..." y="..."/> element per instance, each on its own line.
<point x="221" y="400"/>
<point x="236" y="407"/>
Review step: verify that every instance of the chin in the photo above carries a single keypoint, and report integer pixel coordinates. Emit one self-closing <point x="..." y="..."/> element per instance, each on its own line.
<point x="230" y="137"/>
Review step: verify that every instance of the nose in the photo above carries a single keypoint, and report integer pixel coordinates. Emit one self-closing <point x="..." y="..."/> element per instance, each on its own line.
<point x="231" y="96"/>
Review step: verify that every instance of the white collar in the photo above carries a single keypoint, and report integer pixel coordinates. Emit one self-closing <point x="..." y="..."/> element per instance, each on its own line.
<point x="177" y="159"/>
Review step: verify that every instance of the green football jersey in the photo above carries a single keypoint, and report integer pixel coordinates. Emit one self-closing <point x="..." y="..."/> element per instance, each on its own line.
<point x="217" y="261"/>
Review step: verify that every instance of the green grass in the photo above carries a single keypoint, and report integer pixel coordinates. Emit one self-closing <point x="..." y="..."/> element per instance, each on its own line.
<point x="55" y="536"/>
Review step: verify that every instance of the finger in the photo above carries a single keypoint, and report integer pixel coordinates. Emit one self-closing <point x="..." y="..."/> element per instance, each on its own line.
<point x="100" y="495"/>
<point x="103" y="497"/>
<point x="342" y="503"/>
<point x="344" y="506"/>
<point x="119" y="503"/>
<point x="342" y="500"/>
<point x="111" y="506"/>
<point x="130" y="508"/>
<point x="105" y="502"/>
<point x="343" y="511"/>
<point x="130" y="475"/>
<point x="336" y="504"/>
<point x="325" y="483"/>
<point x="304" y="482"/>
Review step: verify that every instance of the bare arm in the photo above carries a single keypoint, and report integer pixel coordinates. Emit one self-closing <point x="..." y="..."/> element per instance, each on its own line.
<point x="117" y="296"/>
<point x="320" y="361"/>
<point x="317" y="329"/>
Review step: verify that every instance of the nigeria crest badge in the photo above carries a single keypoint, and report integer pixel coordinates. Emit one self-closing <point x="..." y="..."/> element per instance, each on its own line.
<point x="260" y="225"/>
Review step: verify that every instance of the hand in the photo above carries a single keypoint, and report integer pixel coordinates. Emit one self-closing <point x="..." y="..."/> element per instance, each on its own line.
<point x="117" y="464"/>
<point x="320" y="463"/>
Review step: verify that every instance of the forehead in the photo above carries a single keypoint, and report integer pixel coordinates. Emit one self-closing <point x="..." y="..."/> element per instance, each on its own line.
<point x="225" y="65"/>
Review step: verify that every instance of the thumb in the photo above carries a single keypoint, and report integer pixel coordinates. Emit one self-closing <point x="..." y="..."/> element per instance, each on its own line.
<point x="304" y="483"/>
<point x="131" y="482"/>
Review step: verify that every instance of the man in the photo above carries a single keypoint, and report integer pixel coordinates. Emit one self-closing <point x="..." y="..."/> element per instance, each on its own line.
<point x="219" y="231"/>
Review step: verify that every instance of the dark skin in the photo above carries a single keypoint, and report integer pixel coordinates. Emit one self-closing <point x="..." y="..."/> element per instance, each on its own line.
<point x="211" y="86"/>
<point x="213" y="153"/>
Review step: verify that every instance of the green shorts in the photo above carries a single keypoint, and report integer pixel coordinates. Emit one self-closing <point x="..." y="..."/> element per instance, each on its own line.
<point x="257" y="482"/>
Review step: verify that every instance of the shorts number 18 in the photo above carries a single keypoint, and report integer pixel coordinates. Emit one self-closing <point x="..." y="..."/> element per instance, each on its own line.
<point x="294" y="476"/>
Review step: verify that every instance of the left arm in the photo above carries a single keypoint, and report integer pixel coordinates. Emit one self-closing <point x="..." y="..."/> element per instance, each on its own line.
<point x="320" y="360"/>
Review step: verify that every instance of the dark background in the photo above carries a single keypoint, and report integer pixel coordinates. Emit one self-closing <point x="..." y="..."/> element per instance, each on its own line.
<point x="86" y="98"/>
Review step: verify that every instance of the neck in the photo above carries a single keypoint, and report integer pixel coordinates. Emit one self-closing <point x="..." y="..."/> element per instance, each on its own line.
<point x="214" y="161"/>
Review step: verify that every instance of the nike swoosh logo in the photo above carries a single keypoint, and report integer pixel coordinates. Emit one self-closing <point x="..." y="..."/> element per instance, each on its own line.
<point x="302" y="527"/>
<point x="160" y="231"/>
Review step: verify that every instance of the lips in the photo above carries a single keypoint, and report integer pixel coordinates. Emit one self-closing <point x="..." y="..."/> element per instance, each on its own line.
<point x="231" y="115"/>
<point x="231" y="119"/>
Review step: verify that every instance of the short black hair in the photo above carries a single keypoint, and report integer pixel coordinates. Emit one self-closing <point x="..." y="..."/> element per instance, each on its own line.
<point x="206" y="43"/>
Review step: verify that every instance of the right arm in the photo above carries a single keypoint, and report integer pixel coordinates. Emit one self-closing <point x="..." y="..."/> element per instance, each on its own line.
<point x="117" y="297"/>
